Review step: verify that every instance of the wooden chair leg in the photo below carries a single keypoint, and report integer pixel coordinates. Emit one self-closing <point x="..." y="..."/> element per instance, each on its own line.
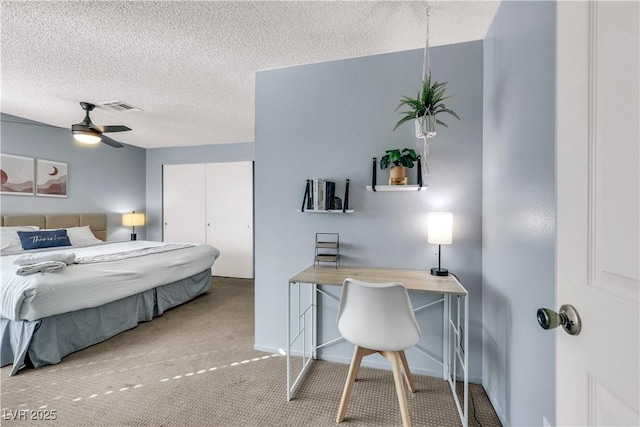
<point x="358" y="354"/>
<point x="395" y="359"/>
<point x="406" y="372"/>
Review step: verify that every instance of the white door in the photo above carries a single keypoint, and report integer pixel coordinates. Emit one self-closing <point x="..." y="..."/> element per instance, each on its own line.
<point x="598" y="253"/>
<point x="230" y="217"/>
<point x="183" y="203"/>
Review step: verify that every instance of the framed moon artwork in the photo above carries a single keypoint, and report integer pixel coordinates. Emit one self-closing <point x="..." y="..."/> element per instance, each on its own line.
<point x="51" y="178"/>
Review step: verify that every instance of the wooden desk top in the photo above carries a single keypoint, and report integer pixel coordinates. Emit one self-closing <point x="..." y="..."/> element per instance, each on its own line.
<point x="415" y="280"/>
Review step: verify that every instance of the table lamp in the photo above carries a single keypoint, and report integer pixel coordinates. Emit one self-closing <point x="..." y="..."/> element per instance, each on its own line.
<point x="440" y="225"/>
<point x="132" y="220"/>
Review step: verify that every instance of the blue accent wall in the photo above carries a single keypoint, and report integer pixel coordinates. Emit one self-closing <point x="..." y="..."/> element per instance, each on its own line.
<point x="519" y="211"/>
<point x="102" y="179"/>
<point x="329" y="120"/>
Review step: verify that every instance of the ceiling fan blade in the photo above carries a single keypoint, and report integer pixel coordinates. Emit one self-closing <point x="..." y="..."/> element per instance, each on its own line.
<point x="111" y="142"/>
<point x="114" y="128"/>
<point x="80" y="126"/>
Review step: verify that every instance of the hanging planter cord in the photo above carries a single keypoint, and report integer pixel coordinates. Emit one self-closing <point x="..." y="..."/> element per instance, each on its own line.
<point x="426" y="71"/>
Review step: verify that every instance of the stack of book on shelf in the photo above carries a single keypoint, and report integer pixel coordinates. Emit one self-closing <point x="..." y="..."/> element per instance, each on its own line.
<point x="320" y="195"/>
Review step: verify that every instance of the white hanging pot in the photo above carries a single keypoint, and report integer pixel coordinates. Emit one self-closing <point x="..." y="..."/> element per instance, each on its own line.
<point x="425" y="126"/>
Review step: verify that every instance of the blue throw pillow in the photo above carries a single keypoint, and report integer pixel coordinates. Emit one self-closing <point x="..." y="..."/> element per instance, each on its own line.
<point x="43" y="239"/>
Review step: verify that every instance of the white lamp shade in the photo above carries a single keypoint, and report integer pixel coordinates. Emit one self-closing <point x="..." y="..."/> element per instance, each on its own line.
<point x="132" y="219"/>
<point x="440" y="225"/>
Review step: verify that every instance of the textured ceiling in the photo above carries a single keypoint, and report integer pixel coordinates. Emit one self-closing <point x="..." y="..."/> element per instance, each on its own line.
<point x="190" y="66"/>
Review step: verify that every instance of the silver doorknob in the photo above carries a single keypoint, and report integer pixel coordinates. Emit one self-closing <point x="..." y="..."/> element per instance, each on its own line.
<point x="568" y="317"/>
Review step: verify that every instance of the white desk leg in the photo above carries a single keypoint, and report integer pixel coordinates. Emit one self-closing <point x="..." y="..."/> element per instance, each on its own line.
<point x="289" y="342"/>
<point x="445" y="338"/>
<point x="454" y="353"/>
<point x="301" y="333"/>
<point x="314" y="321"/>
<point x="465" y="422"/>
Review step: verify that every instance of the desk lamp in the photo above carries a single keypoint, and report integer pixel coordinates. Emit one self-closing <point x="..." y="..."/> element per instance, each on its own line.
<point x="440" y="226"/>
<point x="131" y="220"/>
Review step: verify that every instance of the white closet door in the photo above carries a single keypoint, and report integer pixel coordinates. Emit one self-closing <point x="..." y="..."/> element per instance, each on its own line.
<point x="230" y="217"/>
<point x="183" y="203"/>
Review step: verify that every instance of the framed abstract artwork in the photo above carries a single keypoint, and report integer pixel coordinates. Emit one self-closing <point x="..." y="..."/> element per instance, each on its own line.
<point x="17" y="175"/>
<point x="51" y="178"/>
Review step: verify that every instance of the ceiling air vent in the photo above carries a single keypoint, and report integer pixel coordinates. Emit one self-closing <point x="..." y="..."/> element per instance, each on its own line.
<point x="119" y="106"/>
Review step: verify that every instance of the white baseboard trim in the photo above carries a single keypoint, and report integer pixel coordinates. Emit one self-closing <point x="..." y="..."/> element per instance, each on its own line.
<point x="496" y="406"/>
<point x="382" y="365"/>
<point x="368" y="363"/>
<point x="267" y="349"/>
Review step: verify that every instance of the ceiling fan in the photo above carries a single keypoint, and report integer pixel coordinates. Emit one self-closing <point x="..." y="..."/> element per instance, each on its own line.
<point x="88" y="133"/>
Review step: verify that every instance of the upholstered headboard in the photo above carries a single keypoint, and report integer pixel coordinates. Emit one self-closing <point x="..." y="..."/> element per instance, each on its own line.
<point x="96" y="222"/>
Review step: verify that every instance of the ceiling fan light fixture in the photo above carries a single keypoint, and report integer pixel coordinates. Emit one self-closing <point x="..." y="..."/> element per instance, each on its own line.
<point x="86" y="132"/>
<point x="87" y="136"/>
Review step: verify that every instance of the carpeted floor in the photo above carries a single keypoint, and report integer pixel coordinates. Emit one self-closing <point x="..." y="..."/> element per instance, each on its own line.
<point x="195" y="366"/>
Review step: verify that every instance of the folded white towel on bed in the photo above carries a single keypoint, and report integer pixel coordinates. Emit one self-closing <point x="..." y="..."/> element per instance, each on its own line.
<point x="27" y="259"/>
<point x="44" y="267"/>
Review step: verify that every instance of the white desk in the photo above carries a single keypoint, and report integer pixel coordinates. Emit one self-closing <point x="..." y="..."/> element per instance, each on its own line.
<point x="413" y="280"/>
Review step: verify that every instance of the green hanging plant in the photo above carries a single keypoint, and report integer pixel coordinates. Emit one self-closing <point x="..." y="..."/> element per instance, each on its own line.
<point x="429" y="101"/>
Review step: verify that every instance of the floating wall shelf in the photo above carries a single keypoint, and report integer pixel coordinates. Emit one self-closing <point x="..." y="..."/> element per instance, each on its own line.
<point x="333" y="211"/>
<point x="318" y="190"/>
<point x="397" y="188"/>
<point x="375" y="188"/>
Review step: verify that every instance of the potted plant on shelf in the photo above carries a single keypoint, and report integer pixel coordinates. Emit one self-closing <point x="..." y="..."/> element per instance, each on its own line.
<point x="424" y="108"/>
<point x="398" y="160"/>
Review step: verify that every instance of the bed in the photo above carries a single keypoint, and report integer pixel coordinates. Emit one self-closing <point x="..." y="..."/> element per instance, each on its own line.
<point x="109" y="287"/>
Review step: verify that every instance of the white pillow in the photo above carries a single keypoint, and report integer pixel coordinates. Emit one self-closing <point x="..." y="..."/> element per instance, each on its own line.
<point x="9" y="239"/>
<point x="21" y="228"/>
<point x="82" y="236"/>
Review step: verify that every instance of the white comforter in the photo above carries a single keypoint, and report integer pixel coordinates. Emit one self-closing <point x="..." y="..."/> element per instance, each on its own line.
<point x="81" y="286"/>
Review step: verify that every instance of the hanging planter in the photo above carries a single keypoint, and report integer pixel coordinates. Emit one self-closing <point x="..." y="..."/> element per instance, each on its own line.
<point x="426" y="105"/>
<point x="425" y="127"/>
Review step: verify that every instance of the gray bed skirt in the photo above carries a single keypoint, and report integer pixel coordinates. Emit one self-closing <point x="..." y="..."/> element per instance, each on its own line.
<point x="47" y="341"/>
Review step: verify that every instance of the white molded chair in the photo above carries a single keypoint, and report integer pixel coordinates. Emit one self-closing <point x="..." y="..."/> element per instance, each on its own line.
<point x="378" y="318"/>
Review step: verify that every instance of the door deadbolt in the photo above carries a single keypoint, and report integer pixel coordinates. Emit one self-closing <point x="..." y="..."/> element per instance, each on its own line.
<point x="568" y="317"/>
